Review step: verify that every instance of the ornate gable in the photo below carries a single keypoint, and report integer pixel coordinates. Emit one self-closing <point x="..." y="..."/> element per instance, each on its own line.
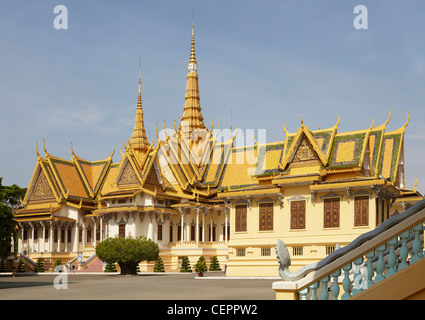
<point x="42" y="190"/>
<point x="128" y="176"/>
<point x="305" y="152"/>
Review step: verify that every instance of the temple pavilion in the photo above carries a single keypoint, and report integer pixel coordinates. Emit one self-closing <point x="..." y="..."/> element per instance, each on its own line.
<point x="195" y="193"/>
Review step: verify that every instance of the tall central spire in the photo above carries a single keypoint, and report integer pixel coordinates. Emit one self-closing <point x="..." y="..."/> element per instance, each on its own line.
<point x="192" y="118"/>
<point x="139" y="140"/>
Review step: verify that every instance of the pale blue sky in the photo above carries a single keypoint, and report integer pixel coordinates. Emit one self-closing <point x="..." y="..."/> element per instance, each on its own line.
<point x="262" y="61"/>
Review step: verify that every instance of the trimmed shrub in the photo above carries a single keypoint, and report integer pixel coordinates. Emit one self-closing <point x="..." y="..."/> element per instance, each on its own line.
<point x="39" y="266"/>
<point x="159" y="265"/>
<point x="185" y="266"/>
<point x="21" y="266"/>
<point x="110" y="267"/>
<point x="214" y="264"/>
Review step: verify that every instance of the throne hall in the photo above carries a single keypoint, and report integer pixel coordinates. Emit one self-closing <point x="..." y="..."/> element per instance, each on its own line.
<point x="195" y="193"/>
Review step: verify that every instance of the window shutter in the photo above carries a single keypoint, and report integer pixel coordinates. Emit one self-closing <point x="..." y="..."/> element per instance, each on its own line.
<point x="298" y="214"/>
<point x="361" y="211"/>
<point x="331" y="213"/>
<point x="240" y="218"/>
<point x="266" y="216"/>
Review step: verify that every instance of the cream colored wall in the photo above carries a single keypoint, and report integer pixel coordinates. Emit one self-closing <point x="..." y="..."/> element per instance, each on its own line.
<point x="314" y="238"/>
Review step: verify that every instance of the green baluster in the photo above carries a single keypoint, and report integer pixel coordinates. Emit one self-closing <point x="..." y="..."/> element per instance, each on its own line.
<point x="404" y="250"/>
<point x="346" y="283"/>
<point x="380" y="264"/>
<point x="335" y="286"/>
<point x="324" y="294"/>
<point x="357" y="279"/>
<point x="391" y="258"/>
<point x="416" y="245"/>
<point x="369" y="268"/>
<point x="313" y="289"/>
<point x="304" y="292"/>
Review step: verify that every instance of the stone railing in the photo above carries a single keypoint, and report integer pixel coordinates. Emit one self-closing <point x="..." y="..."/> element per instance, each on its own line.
<point x="369" y="259"/>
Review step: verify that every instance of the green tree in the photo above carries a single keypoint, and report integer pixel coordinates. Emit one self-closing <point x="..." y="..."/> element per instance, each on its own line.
<point x="9" y="197"/>
<point x="185" y="266"/>
<point x="159" y="265"/>
<point x="201" y="266"/>
<point x="127" y="252"/>
<point x="39" y="266"/>
<point x="214" y="264"/>
<point x="21" y="266"/>
<point x="7" y="229"/>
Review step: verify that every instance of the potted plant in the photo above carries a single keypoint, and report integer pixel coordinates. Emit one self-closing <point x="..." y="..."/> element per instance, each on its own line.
<point x="201" y="267"/>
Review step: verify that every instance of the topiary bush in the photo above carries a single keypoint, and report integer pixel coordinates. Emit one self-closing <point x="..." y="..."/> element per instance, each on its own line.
<point x="159" y="265"/>
<point x="214" y="264"/>
<point x="110" y="267"/>
<point x="2" y="266"/>
<point x="21" y="266"/>
<point x="127" y="252"/>
<point x="39" y="266"/>
<point x="185" y="266"/>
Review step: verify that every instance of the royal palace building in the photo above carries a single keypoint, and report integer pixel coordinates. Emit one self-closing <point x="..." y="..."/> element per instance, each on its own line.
<point x="195" y="192"/>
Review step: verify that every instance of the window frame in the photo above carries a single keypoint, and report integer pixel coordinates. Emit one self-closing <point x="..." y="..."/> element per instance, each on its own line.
<point x="265" y="219"/>
<point x="331" y="222"/>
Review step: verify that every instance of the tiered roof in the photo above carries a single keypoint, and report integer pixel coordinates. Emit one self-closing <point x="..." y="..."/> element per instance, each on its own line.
<point x="183" y="168"/>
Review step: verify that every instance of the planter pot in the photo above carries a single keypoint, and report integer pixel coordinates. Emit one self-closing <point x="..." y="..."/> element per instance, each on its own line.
<point x="200" y="274"/>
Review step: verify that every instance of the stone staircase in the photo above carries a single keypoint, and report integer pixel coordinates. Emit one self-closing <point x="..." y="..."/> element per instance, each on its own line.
<point x="387" y="259"/>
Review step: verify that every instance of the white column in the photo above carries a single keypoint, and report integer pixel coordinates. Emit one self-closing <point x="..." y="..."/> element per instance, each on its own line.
<point x="76" y="237"/>
<point x="182" y="224"/>
<point x="94" y="231"/>
<point x="59" y="237"/>
<point x="31" y="242"/>
<point x="203" y="224"/>
<point x="66" y="237"/>
<point x="197" y="224"/>
<point x="43" y="226"/>
<point x="226" y="236"/>
<point x="212" y="225"/>
<point x="150" y="226"/>
<point x="51" y="236"/>
<point x="84" y="233"/>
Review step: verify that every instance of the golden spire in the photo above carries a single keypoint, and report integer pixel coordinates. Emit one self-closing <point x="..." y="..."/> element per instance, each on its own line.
<point x="192" y="118"/>
<point x="192" y="48"/>
<point x="139" y="140"/>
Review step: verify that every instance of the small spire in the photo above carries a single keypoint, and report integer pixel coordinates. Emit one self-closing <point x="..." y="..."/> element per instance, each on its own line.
<point x="192" y="118"/>
<point x="139" y="140"/>
<point x="139" y="99"/>
<point x="192" y="66"/>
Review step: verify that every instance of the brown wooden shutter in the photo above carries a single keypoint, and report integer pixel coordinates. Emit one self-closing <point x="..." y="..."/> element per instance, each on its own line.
<point x="266" y="216"/>
<point x="361" y="211"/>
<point x="298" y="214"/>
<point x="121" y="230"/>
<point x="331" y="213"/>
<point x="240" y="218"/>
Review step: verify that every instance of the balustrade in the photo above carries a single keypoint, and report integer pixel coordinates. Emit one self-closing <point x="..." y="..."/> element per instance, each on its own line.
<point x="389" y="257"/>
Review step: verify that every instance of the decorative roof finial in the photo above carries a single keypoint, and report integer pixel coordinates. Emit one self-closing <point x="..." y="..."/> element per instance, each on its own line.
<point x="139" y="100"/>
<point x="139" y="140"/>
<point x="192" y="67"/>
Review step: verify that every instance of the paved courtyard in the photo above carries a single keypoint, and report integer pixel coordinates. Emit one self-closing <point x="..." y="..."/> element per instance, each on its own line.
<point x="140" y="287"/>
